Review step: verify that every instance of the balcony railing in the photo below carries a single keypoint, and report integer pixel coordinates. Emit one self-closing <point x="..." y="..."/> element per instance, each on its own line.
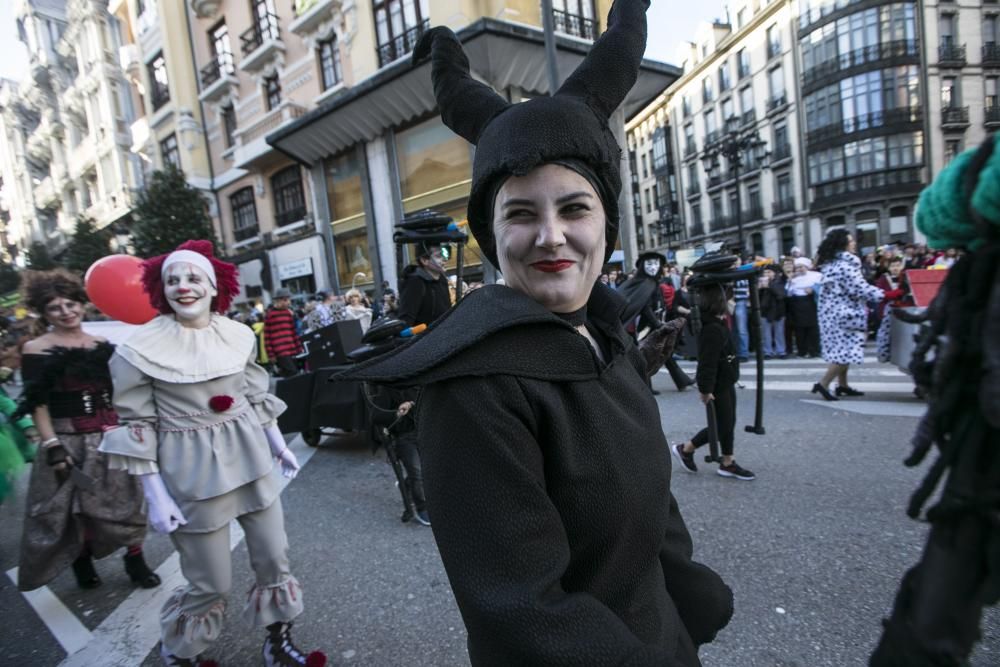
<point x="951" y="55"/>
<point x="401" y="45"/>
<point x="991" y="55"/>
<point x="874" y="184"/>
<point x="283" y="218"/>
<point x="574" y="24"/>
<point x="753" y="213"/>
<point x="868" y="54"/>
<point x="721" y="222"/>
<point x="713" y="137"/>
<point x="892" y="118"/>
<point x="781" y="152"/>
<point x="992" y="116"/>
<point x="213" y="71"/>
<point x="748" y="117"/>
<point x="777" y="102"/>
<point x="244" y="233"/>
<point x="697" y="229"/>
<point x="690" y="149"/>
<point x="955" y="117"/>
<point x="693" y="190"/>
<point x="782" y="206"/>
<point x="265" y="28"/>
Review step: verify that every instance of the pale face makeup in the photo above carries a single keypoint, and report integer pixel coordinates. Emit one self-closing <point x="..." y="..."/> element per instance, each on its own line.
<point x="651" y="267"/>
<point x="64" y="313"/>
<point x="549" y="230"/>
<point x="189" y="293"/>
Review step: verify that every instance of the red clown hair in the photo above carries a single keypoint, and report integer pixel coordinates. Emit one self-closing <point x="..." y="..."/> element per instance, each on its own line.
<point x="227" y="280"/>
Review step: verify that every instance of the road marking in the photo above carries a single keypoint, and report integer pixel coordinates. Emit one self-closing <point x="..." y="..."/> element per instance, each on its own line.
<point x="806" y="387"/>
<point x="131" y="631"/>
<point x="876" y="408"/>
<point x="814" y="371"/>
<point x="71" y="634"/>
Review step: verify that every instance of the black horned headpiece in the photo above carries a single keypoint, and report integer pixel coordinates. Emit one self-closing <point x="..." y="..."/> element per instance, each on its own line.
<point x="570" y="127"/>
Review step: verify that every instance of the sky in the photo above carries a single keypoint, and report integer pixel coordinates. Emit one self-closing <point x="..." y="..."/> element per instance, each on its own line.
<point x="670" y="23"/>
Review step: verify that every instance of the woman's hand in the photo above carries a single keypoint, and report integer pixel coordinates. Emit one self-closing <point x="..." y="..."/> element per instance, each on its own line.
<point x="705" y="398"/>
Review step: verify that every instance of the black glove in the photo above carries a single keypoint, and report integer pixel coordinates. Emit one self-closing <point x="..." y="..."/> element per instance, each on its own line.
<point x="56" y="454"/>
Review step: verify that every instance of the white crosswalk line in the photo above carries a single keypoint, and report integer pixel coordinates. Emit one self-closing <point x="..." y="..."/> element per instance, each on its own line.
<point x="71" y="634"/>
<point x="876" y="408"/>
<point x="131" y="631"/>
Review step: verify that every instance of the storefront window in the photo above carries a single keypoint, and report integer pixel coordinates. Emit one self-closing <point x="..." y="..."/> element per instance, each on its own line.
<point x="431" y="158"/>
<point x="347" y="212"/>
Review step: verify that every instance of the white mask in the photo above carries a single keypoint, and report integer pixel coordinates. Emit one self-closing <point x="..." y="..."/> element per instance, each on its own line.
<point x="651" y="267"/>
<point x="189" y="291"/>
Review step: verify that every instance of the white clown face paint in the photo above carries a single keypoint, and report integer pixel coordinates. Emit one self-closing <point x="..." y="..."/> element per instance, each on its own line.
<point x="651" y="267"/>
<point x="189" y="293"/>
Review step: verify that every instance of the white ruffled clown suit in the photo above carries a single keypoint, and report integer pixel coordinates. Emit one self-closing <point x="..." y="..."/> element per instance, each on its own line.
<point x="193" y="405"/>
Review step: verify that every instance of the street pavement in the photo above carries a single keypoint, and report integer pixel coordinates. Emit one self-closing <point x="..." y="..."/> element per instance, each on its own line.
<point x="813" y="549"/>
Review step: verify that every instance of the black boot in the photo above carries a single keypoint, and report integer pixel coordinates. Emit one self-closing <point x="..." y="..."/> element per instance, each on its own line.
<point x="139" y="572"/>
<point x="279" y="651"/>
<point x="86" y="575"/>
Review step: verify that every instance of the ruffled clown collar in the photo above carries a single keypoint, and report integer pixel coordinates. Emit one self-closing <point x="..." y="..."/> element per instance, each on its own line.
<point x="168" y="351"/>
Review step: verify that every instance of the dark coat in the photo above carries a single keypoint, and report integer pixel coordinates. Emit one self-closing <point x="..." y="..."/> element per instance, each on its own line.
<point x="772" y="300"/>
<point x="548" y="484"/>
<point x="718" y="367"/>
<point x="422" y="297"/>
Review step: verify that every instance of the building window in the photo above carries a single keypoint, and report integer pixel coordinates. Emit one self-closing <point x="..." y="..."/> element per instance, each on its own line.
<point x="787" y="239"/>
<point x="990" y="31"/>
<point x="430" y="157"/>
<point x="649" y="200"/>
<point x="773" y="42"/>
<point x="906" y="150"/>
<point x="158" y="84"/>
<point x="398" y="26"/>
<point x="742" y="64"/>
<point x="724" y="82"/>
<point x="741" y="18"/>
<point x="686" y="105"/>
<point x="949" y="92"/>
<point x="169" y="151"/>
<point x="946" y="29"/>
<point x="776" y="83"/>
<point x="645" y="165"/>
<point x="781" y="149"/>
<point x="727" y="111"/>
<point x="229" y="124"/>
<point x="689" y="146"/>
<point x="272" y="91"/>
<point x="990" y="99"/>
<point x="753" y="198"/>
<point x="659" y="149"/>
<point x="709" y="125"/>
<point x="329" y="62"/>
<point x="783" y="187"/>
<point x="716" y="209"/>
<point x="746" y="100"/>
<point x="706" y="90"/>
<point x="757" y="244"/>
<point x="696" y="218"/>
<point x="575" y="17"/>
<point x="289" y="199"/>
<point x="218" y="38"/>
<point x="952" y="147"/>
<point x="244" y="214"/>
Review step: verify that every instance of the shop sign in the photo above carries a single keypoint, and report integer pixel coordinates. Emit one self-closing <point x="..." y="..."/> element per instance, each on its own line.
<point x="296" y="269"/>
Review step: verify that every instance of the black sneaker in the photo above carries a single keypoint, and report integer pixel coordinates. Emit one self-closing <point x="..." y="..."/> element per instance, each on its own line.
<point x="686" y="460"/>
<point x="422" y="518"/>
<point x="736" y="472"/>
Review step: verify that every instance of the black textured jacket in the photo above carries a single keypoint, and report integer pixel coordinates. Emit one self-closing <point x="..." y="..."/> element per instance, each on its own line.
<point x="548" y="484"/>
<point x="718" y="367"/>
<point x="422" y="297"/>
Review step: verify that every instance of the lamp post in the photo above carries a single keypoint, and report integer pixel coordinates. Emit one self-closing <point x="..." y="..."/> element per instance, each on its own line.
<point x="733" y="146"/>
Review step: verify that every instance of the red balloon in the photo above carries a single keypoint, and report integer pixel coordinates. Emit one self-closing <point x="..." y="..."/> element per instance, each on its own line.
<point x="114" y="285"/>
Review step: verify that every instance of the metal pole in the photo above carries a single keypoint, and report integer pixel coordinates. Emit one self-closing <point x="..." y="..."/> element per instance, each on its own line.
<point x="739" y="199"/>
<point x="548" y="28"/>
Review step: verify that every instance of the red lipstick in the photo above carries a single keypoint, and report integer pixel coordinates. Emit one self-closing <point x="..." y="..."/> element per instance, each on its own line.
<point x="553" y="266"/>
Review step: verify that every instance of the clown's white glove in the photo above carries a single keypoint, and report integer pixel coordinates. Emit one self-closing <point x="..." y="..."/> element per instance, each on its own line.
<point x="280" y="450"/>
<point x="164" y="515"/>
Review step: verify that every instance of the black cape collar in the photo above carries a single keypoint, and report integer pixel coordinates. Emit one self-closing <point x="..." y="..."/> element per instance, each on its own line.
<point x="476" y="337"/>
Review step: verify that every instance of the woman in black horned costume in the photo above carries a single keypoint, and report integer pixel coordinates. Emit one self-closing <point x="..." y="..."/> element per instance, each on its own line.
<point x="549" y="493"/>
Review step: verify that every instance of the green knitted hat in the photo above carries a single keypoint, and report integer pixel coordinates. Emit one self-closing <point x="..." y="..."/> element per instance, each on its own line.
<point x="943" y="211"/>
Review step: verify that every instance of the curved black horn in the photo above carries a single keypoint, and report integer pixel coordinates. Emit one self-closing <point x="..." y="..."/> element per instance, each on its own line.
<point x="609" y="71"/>
<point x="466" y="105"/>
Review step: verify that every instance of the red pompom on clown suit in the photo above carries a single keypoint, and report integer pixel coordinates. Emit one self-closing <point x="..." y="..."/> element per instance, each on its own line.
<point x="198" y="428"/>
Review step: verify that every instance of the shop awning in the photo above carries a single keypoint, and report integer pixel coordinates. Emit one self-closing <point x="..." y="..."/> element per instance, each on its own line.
<point x="502" y="54"/>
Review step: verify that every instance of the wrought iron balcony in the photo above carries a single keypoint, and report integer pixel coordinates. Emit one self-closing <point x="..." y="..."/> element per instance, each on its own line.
<point x="890" y="120"/>
<point x="713" y="137"/>
<point x="748" y="117"/>
<point x="722" y="222"/>
<point x="951" y="55"/>
<point x="283" y="218"/>
<point x="992" y="117"/>
<point x="690" y="149"/>
<point x="401" y="45"/>
<point x="777" y="103"/>
<point x="753" y="213"/>
<point x="696" y="229"/>
<point x="867" y="186"/>
<point x="693" y="190"/>
<point x="955" y="117"/>
<point x="991" y="55"/>
<point x="894" y="50"/>
<point x="781" y="152"/>
<point x="574" y="24"/>
<point x="265" y="28"/>
<point x="782" y="206"/>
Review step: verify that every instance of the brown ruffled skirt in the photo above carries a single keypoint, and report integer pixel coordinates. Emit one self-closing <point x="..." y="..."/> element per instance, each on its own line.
<point x="60" y="516"/>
